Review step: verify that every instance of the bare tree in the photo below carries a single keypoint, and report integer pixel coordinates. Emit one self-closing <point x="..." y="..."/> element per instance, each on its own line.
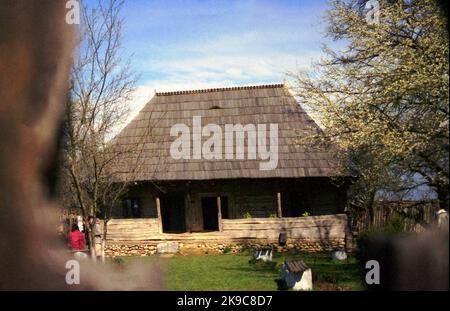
<point x="101" y="84"/>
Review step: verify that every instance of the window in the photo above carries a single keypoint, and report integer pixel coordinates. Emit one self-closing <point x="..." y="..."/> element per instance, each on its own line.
<point x="295" y="204"/>
<point x="131" y="208"/>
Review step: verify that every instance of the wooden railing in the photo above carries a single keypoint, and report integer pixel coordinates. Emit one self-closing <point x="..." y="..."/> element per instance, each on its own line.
<point x="311" y="227"/>
<point x="132" y="229"/>
<point x="323" y="228"/>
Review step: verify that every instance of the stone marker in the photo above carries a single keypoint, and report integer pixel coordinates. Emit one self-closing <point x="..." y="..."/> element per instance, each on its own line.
<point x="339" y="254"/>
<point x="168" y="248"/>
<point x="297" y="275"/>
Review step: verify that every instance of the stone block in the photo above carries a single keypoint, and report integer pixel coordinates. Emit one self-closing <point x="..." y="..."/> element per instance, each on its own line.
<point x="339" y="254"/>
<point x="168" y="248"/>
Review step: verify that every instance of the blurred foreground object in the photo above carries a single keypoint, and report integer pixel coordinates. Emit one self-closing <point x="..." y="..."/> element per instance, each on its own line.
<point x="35" y="56"/>
<point x="411" y="261"/>
<point x="35" y="52"/>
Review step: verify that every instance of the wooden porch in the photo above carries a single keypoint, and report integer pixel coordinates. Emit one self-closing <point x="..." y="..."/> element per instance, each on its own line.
<point x="316" y="228"/>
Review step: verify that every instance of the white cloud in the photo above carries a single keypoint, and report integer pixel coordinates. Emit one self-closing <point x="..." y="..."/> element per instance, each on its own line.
<point x="199" y="45"/>
<point x="220" y="68"/>
<point x="245" y="56"/>
<point x="192" y="74"/>
<point x="242" y="59"/>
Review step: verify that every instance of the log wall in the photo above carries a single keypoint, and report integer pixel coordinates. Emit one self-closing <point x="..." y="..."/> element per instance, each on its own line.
<point x="326" y="227"/>
<point x="322" y="229"/>
<point x="140" y="229"/>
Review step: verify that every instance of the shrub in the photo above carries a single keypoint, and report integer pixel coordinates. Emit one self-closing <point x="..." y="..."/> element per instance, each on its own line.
<point x="392" y="226"/>
<point x="246" y="249"/>
<point x="247" y="215"/>
<point x="306" y="214"/>
<point x="362" y="242"/>
<point x="118" y="261"/>
<point x="227" y="249"/>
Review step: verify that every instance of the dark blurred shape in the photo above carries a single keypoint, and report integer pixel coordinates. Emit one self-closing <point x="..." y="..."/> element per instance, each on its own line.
<point x="444" y="7"/>
<point x="35" y="51"/>
<point x="410" y="262"/>
<point x="282" y="238"/>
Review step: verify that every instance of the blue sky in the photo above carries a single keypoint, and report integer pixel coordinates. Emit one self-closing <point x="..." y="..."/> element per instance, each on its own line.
<point x="179" y="45"/>
<point x="228" y="42"/>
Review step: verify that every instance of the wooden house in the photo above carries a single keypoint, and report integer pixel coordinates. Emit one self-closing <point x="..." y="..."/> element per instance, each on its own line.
<point x="228" y="197"/>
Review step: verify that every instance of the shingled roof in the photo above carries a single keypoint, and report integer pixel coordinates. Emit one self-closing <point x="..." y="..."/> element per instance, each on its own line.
<point x="236" y="105"/>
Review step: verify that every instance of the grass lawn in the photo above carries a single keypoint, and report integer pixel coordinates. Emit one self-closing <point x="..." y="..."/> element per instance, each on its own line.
<point x="234" y="272"/>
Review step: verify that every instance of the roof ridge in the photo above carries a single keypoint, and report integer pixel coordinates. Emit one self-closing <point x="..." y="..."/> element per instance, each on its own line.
<point x="232" y="88"/>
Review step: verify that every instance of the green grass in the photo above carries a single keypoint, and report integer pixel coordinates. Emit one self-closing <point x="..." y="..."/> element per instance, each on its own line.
<point x="234" y="272"/>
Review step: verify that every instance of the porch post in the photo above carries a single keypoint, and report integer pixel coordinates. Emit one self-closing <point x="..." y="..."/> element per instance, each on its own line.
<point x="188" y="209"/>
<point x="279" y="213"/>
<point x="219" y="212"/>
<point x="158" y="211"/>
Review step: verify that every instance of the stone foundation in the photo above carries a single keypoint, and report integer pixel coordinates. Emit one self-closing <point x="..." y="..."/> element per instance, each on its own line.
<point x="202" y="248"/>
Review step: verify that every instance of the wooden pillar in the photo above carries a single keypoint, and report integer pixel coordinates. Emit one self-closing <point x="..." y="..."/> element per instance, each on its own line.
<point x="188" y="211"/>
<point x="158" y="210"/>
<point x="219" y="212"/>
<point x="279" y="213"/>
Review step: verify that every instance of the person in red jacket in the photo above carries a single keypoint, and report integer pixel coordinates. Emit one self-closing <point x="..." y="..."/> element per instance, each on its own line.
<point x="76" y="239"/>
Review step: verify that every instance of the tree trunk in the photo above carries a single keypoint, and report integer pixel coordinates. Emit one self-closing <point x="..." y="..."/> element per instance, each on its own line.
<point x="443" y="197"/>
<point x="105" y="233"/>
<point x="370" y="207"/>
<point x="91" y="239"/>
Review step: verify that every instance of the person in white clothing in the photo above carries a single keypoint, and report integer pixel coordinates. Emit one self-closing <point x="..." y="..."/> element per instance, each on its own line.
<point x="80" y="223"/>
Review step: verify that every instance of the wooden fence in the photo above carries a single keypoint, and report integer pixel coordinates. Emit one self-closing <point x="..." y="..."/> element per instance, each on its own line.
<point x="414" y="215"/>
